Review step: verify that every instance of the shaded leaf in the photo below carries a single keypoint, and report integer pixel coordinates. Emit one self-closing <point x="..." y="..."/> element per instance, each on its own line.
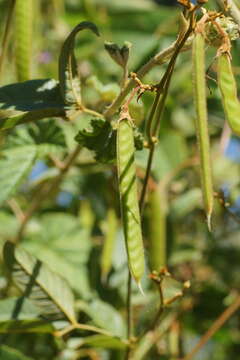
<point x="126" y="5"/>
<point x="8" y="353"/>
<point x="9" y="225"/>
<point x="100" y="137"/>
<point x="25" y="326"/>
<point x="18" y="314"/>
<point x="68" y="73"/>
<point x="46" y="135"/>
<point x="29" y="101"/>
<point x="14" y="169"/>
<point x="46" y="289"/>
<point x="17" y="308"/>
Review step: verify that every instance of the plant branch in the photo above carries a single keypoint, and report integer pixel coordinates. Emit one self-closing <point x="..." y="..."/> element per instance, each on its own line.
<point x="232" y="9"/>
<point x="46" y="192"/>
<point x="129" y="314"/>
<point x="146" y="178"/>
<point x="159" y="105"/>
<point x="214" y="328"/>
<point x="225" y="205"/>
<point x="152" y="337"/>
<point x="159" y="59"/>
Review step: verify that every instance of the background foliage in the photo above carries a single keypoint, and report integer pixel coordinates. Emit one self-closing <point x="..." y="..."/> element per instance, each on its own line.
<point x="62" y="211"/>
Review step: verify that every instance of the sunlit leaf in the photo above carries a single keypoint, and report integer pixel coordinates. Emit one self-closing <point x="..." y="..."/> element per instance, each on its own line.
<point x="14" y="168"/>
<point x="47" y="290"/>
<point x="65" y="248"/>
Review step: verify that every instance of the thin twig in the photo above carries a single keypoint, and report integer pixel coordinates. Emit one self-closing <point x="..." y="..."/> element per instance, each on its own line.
<point x="129" y="314"/>
<point x="152" y="337"/>
<point x="225" y="205"/>
<point x="214" y="328"/>
<point x="46" y="191"/>
<point x="16" y="209"/>
<point x="6" y="33"/>
<point x="232" y="9"/>
<point x="85" y="327"/>
<point x="92" y="112"/>
<point x="159" y="59"/>
<point x="146" y="178"/>
<point x="157" y="110"/>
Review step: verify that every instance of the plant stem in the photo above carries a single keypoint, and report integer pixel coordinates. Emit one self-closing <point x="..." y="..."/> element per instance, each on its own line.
<point x="6" y="33"/>
<point x="129" y="314"/>
<point x="129" y="308"/>
<point x="92" y="112"/>
<point x="159" y="105"/>
<point x="85" y="327"/>
<point x="146" y="178"/>
<point x="152" y="337"/>
<point x="46" y="191"/>
<point x="214" y="328"/>
<point x="159" y="59"/>
<point x="157" y="108"/>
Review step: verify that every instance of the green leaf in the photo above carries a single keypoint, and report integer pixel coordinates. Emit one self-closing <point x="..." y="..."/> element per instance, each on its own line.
<point x="25" y="326"/>
<point x="7" y="353"/>
<point x="186" y="203"/>
<point x="14" y="169"/>
<point x="18" y="314"/>
<point x="9" y="225"/>
<point x="68" y="73"/>
<point x="171" y="151"/>
<point x="29" y="101"/>
<point x="46" y="289"/>
<point x="17" y="308"/>
<point x="104" y="315"/>
<point x="65" y="248"/>
<point x="103" y="341"/>
<point x="46" y="135"/>
<point x="125" y="5"/>
<point x="100" y="137"/>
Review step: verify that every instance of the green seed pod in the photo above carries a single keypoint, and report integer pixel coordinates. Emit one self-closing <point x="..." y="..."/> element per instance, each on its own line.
<point x="119" y="55"/>
<point x="110" y="230"/>
<point x="69" y="80"/>
<point x="228" y="89"/>
<point x="157" y="229"/>
<point x="199" y="86"/>
<point x="129" y="198"/>
<point x="23" y="38"/>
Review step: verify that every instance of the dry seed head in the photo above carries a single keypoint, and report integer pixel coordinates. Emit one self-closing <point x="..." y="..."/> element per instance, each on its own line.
<point x="213" y="35"/>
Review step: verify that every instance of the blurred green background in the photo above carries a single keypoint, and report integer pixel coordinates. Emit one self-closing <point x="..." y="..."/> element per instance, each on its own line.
<point x="68" y="230"/>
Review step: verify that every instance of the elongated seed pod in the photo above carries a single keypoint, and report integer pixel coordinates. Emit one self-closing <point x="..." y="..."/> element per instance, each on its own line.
<point x="228" y="89"/>
<point x="129" y="199"/>
<point x="23" y="38"/>
<point x="157" y="229"/>
<point x="199" y="85"/>
<point x="109" y="241"/>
